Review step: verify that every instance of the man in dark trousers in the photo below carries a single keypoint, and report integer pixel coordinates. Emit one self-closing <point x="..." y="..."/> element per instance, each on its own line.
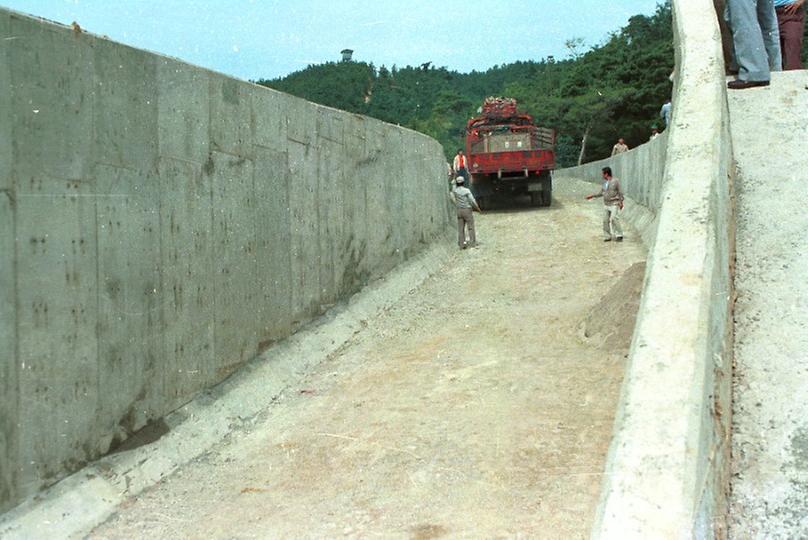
<point x="464" y="201"/>
<point x="612" y="204"/>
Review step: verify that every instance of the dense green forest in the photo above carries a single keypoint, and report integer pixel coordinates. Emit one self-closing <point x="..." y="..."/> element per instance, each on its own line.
<point x="593" y="96"/>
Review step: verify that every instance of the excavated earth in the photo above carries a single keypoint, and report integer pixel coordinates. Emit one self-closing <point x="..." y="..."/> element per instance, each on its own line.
<point x="481" y="405"/>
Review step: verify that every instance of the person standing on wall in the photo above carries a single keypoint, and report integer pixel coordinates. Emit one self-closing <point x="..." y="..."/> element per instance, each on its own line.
<point x="665" y="113"/>
<point x="612" y="204"/>
<point x="460" y="165"/>
<point x="791" y="23"/>
<point x="464" y="201"/>
<point x="755" y="40"/>
<point x="620" y="147"/>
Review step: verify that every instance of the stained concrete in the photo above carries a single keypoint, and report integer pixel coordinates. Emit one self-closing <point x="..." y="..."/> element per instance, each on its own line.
<point x="770" y="429"/>
<point x="668" y="466"/>
<point x="162" y="224"/>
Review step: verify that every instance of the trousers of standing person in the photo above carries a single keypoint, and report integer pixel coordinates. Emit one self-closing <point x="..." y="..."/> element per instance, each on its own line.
<point x="612" y="195"/>
<point x="611" y="222"/>
<point x="465" y="202"/>
<point x="465" y="219"/>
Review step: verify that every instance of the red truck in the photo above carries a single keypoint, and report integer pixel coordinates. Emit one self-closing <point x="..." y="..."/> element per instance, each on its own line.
<point x="508" y="153"/>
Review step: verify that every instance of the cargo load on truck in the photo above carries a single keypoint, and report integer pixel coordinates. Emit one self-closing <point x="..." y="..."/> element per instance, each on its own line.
<point x="508" y="153"/>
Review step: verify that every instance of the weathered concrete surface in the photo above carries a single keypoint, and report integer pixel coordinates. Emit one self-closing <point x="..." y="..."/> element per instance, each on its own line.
<point x="471" y="407"/>
<point x="161" y="224"/>
<point x="79" y="502"/>
<point x="770" y="426"/>
<point x="667" y="471"/>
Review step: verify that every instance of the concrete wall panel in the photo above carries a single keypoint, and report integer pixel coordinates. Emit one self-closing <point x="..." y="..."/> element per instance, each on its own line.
<point x="9" y="377"/>
<point x="235" y="264"/>
<point x="5" y="102"/>
<point x="124" y="106"/>
<point x="273" y="238"/>
<point x="186" y="244"/>
<point x="52" y="81"/>
<point x="57" y="318"/>
<point x="330" y="199"/>
<point x="230" y="116"/>
<point x="183" y="111"/>
<point x="269" y="118"/>
<point x="305" y="227"/>
<point x="162" y="224"/>
<point x="352" y="256"/>
<point x="130" y="322"/>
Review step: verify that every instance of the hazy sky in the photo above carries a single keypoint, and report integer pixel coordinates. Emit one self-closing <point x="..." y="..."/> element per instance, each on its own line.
<point x="254" y="39"/>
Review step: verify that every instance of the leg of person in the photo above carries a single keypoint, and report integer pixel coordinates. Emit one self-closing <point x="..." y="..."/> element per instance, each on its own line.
<point x="472" y="232"/>
<point x="767" y="17"/>
<point x="616" y="227"/>
<point x="461" y="229"/>
<point x="792" y="28"/>
<point x="747" y="38"/>
<point x="607" y="228"/>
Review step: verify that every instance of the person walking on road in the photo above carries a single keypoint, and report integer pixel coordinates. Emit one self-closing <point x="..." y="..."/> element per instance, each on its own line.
<point x="460" y="165"/>
<point x="612" y="204"/>
<point x="620" y="147"/>
<point x="465" y="203"/>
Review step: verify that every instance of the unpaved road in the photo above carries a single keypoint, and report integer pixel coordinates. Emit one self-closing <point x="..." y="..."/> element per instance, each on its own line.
<point x="472" y="409"/>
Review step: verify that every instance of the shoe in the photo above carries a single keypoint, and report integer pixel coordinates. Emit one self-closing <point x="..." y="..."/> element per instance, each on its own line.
<point x="464" y="246"/>
<point x="607" y="239"/>
<point x="738" y="84"/>
<point x="619" y="238"/>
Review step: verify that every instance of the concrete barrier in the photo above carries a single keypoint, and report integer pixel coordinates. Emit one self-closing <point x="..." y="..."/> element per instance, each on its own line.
<point x="667" y="470"/>
<point x="161" y="224"/>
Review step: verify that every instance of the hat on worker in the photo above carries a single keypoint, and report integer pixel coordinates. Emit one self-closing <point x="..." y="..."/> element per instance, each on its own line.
<point x="459" y="180"/>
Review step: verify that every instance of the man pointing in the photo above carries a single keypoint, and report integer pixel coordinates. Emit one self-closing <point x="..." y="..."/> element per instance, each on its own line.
<point x="612" y="204"/>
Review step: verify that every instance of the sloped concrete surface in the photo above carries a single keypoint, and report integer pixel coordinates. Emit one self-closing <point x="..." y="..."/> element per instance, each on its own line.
<point x="770" y="424"/>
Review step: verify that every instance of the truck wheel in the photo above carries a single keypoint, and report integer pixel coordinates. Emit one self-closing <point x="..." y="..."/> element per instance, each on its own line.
<point x="536" y="198"/>
<point x="546" y="198"/>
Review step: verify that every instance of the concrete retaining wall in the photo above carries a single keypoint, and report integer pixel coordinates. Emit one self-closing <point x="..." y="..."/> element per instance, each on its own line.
<point x="668" y="464"/>
<point x="161" y="224"/>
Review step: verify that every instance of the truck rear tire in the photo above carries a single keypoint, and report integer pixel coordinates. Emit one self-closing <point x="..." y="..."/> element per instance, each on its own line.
<point x="536" y="198"/>
<point x="546" y="198"/>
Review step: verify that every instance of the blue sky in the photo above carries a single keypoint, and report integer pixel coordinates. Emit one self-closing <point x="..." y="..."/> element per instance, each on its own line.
<point x="254" y="39"/>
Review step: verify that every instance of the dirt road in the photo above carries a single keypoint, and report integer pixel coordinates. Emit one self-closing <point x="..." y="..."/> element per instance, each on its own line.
<point x="475" y="408"/>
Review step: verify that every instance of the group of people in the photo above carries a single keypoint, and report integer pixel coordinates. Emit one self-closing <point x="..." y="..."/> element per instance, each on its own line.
<point x="610" y="191"/>
<point x="766" y="36"/>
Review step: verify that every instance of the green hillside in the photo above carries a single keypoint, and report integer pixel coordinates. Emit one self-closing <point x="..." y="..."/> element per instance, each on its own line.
<point x="597" y="94"/>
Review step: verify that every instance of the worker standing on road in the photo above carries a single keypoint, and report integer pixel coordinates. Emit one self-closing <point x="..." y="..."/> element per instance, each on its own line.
<point x="460" y="165"/>
<point x="464" y="201"/>
<point x="612" y="203"/>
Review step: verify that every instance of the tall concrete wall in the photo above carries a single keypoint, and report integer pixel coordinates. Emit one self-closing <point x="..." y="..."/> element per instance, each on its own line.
<point x="161" y="224"/>
<point x="667" y="470"/>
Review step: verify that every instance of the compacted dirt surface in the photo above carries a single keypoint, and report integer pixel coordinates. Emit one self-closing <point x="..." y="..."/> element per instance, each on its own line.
<point x="477" y="407"/>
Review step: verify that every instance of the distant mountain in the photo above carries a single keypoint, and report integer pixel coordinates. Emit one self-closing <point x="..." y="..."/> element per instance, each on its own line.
<point x="598" y="94"/>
